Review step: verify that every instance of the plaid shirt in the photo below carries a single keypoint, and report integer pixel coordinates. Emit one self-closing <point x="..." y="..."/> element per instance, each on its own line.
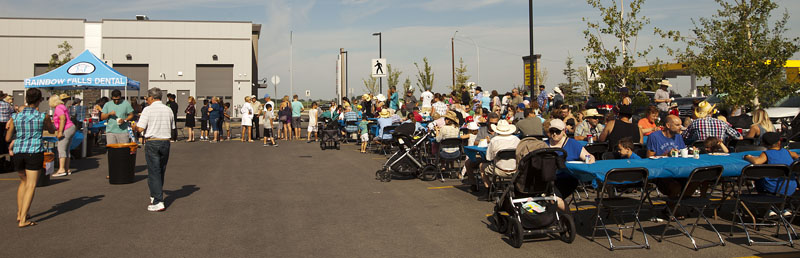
<point x="702" y="128"/>
<point x="6" y="110"/>
<point x="29" y="125"/>
<point x="440" y="107"/>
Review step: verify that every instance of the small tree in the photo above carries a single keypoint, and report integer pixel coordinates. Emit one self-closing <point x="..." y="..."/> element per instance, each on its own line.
<point x="569" y="88"/>
<point x="393" y="76"/>
<point x="407" y="86"/>
<point x="739" y="50"/>
<point x="63" y="56"/>
<point x="461" y="76"/>
<point x="424" y="76"/>
<point x="371" y="84"/>
<point x="541" y="76"/>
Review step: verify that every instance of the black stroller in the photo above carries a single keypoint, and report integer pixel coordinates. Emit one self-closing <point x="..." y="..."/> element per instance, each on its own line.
<point x="330" y="134"/>
<point x="408" y="160"/>
<point x="529" y="200"/>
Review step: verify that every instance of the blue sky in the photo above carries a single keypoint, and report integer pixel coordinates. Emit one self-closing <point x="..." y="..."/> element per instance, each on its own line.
<point x="412" y="29"/>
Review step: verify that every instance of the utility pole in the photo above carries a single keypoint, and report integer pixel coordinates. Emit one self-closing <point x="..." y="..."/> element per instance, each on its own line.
<point x="530" y="35"/>
<point x="291" y="58"/>
<point x="380" y="55"/>
<point x="453" y="57"/>
<point x="621" y="23"/>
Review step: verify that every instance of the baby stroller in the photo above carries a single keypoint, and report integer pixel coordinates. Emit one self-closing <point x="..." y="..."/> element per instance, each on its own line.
<point x="330" y="134"/>
<point x="529" y="200"/>
<point x="407" y="161"/>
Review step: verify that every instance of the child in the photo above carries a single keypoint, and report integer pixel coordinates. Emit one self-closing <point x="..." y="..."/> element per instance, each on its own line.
<point x="226" y="121"/>
<point x="774" y="155"/>
<point x="473" y="133"/>
<point x="625" y="149"/>
<point x="714" y="145"/>
<point x="364" y="132"/>
<point x="268" y="117"/>
<point x="312" y="121"/>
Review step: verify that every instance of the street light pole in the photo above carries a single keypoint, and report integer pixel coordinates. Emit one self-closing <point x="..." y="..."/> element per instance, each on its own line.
<point x="531" y="76"/>
<point x="453" y="57"/>
<point x="380" y="55"/>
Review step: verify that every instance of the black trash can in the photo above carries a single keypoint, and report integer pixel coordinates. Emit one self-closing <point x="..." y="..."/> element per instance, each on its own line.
<point x="121" y="162"/>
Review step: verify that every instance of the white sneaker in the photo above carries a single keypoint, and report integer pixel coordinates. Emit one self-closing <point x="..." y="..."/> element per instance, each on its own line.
<point x="156" y="207"/>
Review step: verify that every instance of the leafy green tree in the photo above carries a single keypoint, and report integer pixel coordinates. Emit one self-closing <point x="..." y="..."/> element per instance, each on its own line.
<point x="393" y="76"/>
<point x="740" y="51"/>
<point x="570" y="87"/>
<point x="63" y="56"/>
<point x="424" y="76"/>
<point x="461" y="76"/>
<point x="615" y="63"/>
<point x="371" y="85"/>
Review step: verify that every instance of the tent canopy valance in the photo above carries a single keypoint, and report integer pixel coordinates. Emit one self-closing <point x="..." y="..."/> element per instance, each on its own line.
<point x="83" y="72"/>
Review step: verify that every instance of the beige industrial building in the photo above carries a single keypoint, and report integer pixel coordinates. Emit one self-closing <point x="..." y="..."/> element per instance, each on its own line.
<point x="186" y="58"/>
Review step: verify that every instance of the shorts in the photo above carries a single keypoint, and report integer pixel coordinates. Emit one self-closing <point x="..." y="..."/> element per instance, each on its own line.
<point x="204" y="125"/>
<point x="215" y="125"/>
<point x="28" y="161"/>
<point x="226" y="125"/>
<point x="267" y="132"/>
<point x="295" y="122"/>
<point x="491" y="170"/>
<point x="312" y="127"/>
<point x="112" y="138"/>
<point x="364" y="137"/>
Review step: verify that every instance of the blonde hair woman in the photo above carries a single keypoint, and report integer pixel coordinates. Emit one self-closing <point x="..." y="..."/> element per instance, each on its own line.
<point x="247" y="120"/>
<point x="65" y="130"/>
<point x="761" y="125"/>
<point x="190" y="114"/>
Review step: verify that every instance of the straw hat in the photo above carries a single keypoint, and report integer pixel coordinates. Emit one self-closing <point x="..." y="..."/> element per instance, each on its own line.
<point x="504" y="128"/>
<point x="704" y="109"/>
<point x="366" y="97"/>
<point x="557" y="90"/>
<point x="63" y="96"/>
<point x="665" y="83"/>
<point x="592" y="113"/>
<point x="385" y="113"/>
<point x="452" y="116"/>
<point x="381" y="97"/>
<point x="473" y="126"/>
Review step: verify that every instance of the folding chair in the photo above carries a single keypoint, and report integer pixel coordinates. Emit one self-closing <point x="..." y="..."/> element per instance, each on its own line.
<point x="497" y="185"/>
<point x="793" y="201"/>
<point x="617" y="206"/>
<point x="748" y="202"/>
<point x="449" y="143"/>
<point x="597" y="150"/>
<point x="386" y="144"/>
<point x="743" y="148"/>
<point x="698" y="204"/>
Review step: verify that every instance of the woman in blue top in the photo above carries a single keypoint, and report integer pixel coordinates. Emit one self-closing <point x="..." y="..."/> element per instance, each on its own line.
<point x="27" y="150"/>
<point x="774" y="155"/>
<point x="566" y="183"/>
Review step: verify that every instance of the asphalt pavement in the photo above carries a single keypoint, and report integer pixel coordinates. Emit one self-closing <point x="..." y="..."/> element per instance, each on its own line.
<point x="234" y="199"/>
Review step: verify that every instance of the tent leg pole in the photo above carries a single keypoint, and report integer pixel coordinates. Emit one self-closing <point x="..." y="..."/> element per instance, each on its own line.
<point x="83" y="148"/>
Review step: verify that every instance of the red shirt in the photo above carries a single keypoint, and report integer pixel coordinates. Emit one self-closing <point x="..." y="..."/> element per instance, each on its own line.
<point x="417" y="116"/>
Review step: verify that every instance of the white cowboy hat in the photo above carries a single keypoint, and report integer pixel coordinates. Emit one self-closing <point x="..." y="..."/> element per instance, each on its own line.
<point x="592" y="113"/>
<point x="504" y="128"/>
<point x="381" y="98"/>
<point x="473" y="126"/>
<point x="665" y="83"/>
<point x="556" y="89"/>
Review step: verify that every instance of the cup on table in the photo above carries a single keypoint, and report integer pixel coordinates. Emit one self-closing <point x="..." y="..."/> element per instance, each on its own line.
<point x="685" y="152"/>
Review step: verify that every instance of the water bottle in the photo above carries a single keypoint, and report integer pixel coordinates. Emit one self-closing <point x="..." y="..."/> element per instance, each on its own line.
<point x="130" y="133"/>
<point x="590" y="139"/>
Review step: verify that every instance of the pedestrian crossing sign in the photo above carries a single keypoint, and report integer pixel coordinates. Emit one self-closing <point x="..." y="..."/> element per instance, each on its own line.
<point x="378" y="67"/>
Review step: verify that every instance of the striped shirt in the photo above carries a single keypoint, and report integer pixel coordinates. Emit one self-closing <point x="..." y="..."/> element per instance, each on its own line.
<point x="157" y="120"/>
<point x="28" y="125"/>
<point x="702" y="128"/>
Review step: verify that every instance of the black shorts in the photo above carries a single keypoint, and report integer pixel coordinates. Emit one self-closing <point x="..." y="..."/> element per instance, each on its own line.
<point x="268" y="132"/>
<point x="28" y="161"/>
<point x="204" y="125"/>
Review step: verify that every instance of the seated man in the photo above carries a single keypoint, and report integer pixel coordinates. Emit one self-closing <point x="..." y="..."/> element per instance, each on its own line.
<point x="773" y="155"/>
<point x="590" y="126"/>
<point x="531" y="124"/>
<point x="504" y="140"/>
<point x="706" y="126"/>
<point x="661" y="142"/>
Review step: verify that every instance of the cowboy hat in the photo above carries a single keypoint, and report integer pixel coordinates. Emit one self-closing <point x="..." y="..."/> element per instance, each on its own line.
<point x="665" y="83"/>
<point x="385" y="113"/>
<point x="366" y="97"/>
<point x="381" y="97"/>
<point x="557" y="89"/>
<point x="452" y="116"/>
<point x="473" y="126"/>
<point x="592" y="113"/>
<point x="63" y="96"/>
<point x="504" y="128"/>
<point x="704" y="109"/>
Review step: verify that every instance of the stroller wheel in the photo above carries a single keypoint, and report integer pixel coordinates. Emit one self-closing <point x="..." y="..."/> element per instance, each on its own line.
<point x="428" y="173"/>
<point x="517" y="233"/>
<point x="500" y="222"/>
<point x="338" y="147"/>
<point x="567" y="225"/>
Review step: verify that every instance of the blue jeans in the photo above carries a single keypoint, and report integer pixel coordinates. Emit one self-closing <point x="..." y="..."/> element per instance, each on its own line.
<point x="157" y="154"/>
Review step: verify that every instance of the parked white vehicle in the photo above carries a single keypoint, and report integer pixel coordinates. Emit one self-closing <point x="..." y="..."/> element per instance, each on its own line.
<point x="784" y="111"/>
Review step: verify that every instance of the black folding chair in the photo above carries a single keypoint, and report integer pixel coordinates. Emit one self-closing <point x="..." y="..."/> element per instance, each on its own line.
<point x="386" y="144"/>
<point x="698" y="204"/>
<point x="597" y="150"/>
<point x="793" y="201"/>
<point x="743" y="148"/>
<point x="617" y="206"/>
<point x="608" y="155"/>
<point x="449" y="143"/>
<point x="733" y="143"/>
<point x="498" y="183"/>
<point x="749" y="202"/>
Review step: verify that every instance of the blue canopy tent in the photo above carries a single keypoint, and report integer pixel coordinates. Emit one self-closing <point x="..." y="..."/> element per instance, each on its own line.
<point x="83" y="72"/>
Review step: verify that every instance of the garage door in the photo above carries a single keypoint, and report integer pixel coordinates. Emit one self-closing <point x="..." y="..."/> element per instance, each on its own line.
<point x="137" y="72"/>
<point x="214" y="80"/>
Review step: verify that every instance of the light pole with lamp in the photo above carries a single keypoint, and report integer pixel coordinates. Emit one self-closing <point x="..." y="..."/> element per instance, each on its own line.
<point x="453" y="57"/>
<point x="478" y="55"/>
<point x="380" y="55"/>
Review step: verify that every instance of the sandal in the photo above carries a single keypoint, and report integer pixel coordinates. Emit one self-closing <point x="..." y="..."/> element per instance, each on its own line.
<point x="60" y="174"/>
<point x="29" y="224"/>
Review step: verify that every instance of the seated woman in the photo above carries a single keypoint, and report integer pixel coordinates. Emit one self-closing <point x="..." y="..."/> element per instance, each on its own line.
<point x="449" y="130"/>
<point x="648" y="124"/>
<point x="773" y="155"/>
<point x="565" y="183"/>
<point x="505" y="139"/>
<point x="761" y="125"/>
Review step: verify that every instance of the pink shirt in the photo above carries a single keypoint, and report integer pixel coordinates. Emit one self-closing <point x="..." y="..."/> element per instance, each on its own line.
<point x="62" y="110"/>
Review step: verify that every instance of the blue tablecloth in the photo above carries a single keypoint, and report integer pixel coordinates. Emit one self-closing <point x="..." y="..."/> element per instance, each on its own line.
<point x="475" y="153"/>
<point x="77" y="139"/>
<point x="96" y="127"/>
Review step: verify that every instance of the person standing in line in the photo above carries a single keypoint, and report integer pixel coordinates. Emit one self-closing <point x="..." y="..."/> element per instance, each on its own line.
<point x="226" y="120"/>
<point x="190" y="113"/>
<point x="247" y="120"/>
<point x="157" y="121"/>
<point x="394" y="99"/>
<point x="221" y="120"/>
<point x="312" y="121"/>
<point x="269" y="116"/>
<point x="297" y="110"/>
<point x="65" y="129"/>
<point x="174" y="107"/>
<point x="214" y="117"/>
<point x="6" y="110"/>
<point x="542" y="99"/>
<point x="204" y="121"/>
<point x="409" y="102"/>
<point x="118" y="112"/>
<point x="662" y="98"/>
<point x="426" y="98"/>
<point x="257" y="109"/>
<point x="27" y="150"/>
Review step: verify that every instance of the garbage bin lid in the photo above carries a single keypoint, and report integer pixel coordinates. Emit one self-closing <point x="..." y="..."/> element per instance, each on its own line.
<point x="132" y="145"/>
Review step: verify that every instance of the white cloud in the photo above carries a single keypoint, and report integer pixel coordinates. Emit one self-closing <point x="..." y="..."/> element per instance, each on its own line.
<point x="449" y="5"/>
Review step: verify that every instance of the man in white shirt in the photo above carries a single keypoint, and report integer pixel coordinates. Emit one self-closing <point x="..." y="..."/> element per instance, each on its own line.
<point x="426" y="97"/>
<point x="157" y="122"/>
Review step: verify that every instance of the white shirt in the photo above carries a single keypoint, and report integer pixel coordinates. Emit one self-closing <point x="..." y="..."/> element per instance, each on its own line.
<point x="157" y="120"/>
<point x="427" y="97"/>
<point x="312" y="116"/>
<point x="247" y="111"/>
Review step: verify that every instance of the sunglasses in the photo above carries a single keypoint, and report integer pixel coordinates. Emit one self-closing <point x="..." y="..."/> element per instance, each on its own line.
<point x="554" y="131"/>
<point x="116" y="100"/>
